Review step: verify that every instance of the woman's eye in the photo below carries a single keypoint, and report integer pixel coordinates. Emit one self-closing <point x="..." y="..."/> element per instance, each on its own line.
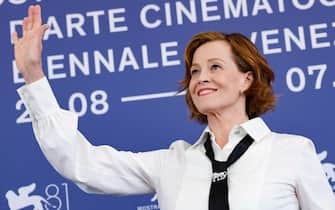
<point x="215" y="67"/>
<point x="194" y="71"/>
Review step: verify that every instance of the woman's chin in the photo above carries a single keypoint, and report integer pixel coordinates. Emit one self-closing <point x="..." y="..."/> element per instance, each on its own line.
<point x="208" y="110"/>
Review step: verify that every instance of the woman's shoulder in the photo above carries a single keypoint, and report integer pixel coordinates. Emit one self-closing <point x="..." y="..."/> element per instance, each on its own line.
<point x="179" y="145"/>
<point x="291" y="141"/>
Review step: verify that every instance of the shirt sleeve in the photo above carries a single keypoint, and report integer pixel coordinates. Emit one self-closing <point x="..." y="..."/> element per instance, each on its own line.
<point x="313" y="189"/>
<point x="95" y="169"/>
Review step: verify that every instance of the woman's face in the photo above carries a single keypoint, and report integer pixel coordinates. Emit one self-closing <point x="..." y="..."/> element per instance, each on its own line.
<point x="216" y="83"/>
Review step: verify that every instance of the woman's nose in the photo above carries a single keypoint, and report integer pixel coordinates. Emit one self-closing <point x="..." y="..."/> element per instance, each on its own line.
<point x="203" y="77"/>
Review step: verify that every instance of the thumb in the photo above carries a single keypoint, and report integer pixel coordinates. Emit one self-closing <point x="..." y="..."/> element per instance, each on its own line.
<point x="15" y="37"/>
<point x="44" y="28"/>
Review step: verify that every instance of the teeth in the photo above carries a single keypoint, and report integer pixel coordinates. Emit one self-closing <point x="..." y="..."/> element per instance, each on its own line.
<point x="204" y="92"/>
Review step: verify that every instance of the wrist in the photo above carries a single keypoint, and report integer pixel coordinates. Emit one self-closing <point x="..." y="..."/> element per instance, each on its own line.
<point x="33" y="75"/>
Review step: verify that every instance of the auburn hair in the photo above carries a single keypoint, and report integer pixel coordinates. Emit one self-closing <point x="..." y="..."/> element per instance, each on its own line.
<point x="259" y="97"/>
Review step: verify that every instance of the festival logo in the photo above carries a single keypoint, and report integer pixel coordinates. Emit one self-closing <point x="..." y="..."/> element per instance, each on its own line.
<point x="153" y="205"/>
<point x="329" y="169"/>
<point x="55" y="198"/>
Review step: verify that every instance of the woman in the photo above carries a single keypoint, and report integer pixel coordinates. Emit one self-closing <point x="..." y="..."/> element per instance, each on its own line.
<point x="228" y="84"/>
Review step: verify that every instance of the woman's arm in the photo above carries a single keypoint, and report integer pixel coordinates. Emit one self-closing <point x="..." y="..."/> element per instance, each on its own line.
<point x="313" y="190"/>
<point x="96" y="169"/>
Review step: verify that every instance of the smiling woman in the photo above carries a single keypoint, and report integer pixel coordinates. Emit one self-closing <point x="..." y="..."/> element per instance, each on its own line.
<point x="216" y="83"/>
<point x="236" y="163"/>
<point x="235" y="60"/>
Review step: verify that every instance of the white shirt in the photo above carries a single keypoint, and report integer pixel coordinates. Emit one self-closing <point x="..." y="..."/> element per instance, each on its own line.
<point x="277" y="172"/>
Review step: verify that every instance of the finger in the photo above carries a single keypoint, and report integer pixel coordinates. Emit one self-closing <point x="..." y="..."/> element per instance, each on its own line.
<point x="44" y="28"/>
<point x="24" y="25"/>
<point x="15" y="38"/>
<point x="37" y="19"/>
<point x="29" y="24"/>
<point x="30" y="11"/>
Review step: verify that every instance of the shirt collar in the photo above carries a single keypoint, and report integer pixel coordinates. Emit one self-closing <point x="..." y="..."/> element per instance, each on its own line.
<point x="255" y="127"/>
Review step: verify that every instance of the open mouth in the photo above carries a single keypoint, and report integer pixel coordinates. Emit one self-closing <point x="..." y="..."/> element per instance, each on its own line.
<point x="206" y="91"/>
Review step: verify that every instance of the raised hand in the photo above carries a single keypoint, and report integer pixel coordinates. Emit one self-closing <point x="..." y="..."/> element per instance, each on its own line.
<point x="28" y="48"/>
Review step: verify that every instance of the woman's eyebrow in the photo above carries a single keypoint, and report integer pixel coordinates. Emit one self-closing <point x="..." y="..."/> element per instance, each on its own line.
<point x="216" y="59"/>
<point x="194" y="64"/>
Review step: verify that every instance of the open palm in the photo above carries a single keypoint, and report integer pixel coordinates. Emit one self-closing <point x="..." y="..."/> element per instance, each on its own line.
<point x="28" y="48"/>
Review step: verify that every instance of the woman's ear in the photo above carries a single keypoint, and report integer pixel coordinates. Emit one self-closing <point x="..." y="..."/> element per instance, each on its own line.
<point x="248" y="80"/>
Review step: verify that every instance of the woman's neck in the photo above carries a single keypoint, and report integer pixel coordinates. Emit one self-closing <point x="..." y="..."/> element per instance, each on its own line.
<point x="221" y="125"/>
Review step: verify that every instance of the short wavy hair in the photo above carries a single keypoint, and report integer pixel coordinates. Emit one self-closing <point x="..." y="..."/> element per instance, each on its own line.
<point x="259" y="97"/>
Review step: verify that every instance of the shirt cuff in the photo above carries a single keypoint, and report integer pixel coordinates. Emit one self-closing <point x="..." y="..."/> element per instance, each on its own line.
<point x="38" y="98"/>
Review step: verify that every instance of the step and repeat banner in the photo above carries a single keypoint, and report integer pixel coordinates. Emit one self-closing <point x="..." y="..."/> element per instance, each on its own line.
<point x="118" y="63"/>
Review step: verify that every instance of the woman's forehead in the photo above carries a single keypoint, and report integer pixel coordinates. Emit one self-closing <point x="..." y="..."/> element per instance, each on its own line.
<point x="213" y="50"/>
